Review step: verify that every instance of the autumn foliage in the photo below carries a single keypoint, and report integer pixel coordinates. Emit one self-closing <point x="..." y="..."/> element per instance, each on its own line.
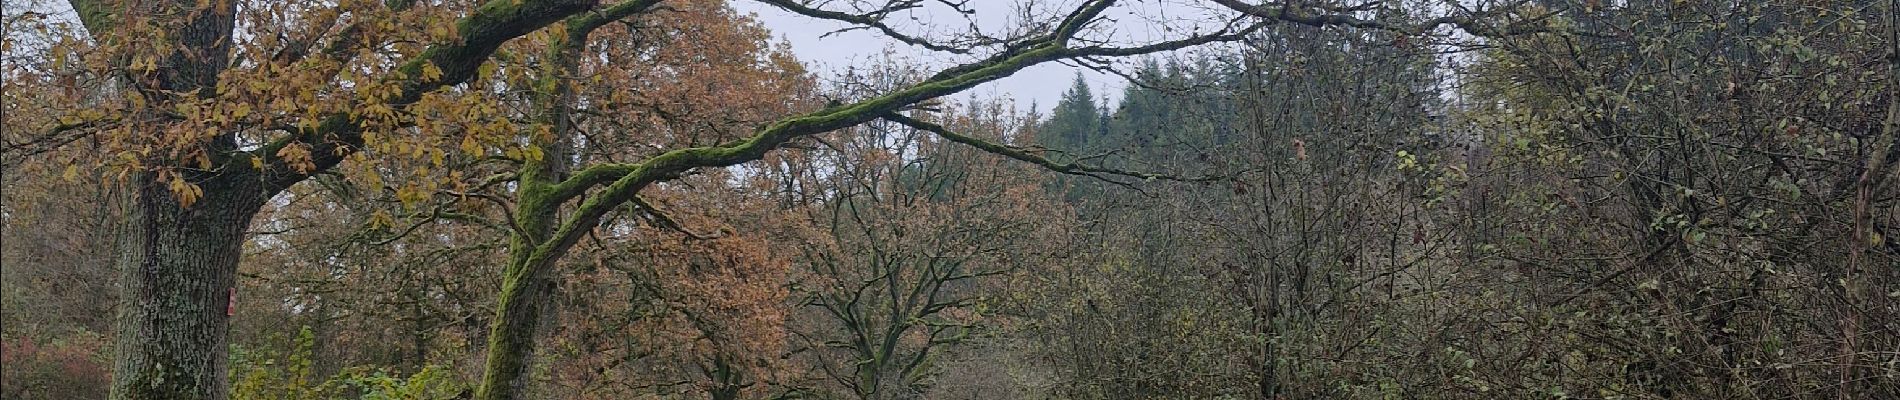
<point x="647" y="199"/>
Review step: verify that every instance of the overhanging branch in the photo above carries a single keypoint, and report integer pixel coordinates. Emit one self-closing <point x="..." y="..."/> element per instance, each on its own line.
<point x="627" y="180"/>
<point x="484" y="30"/>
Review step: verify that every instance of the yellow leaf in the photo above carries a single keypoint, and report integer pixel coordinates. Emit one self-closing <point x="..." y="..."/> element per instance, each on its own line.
<point x="71" y="174"/>
<point x="185" y="192"/>
<point x="373" y="179"/>
<point x="470" y="146"/>
<point x="381" y="219"/>
<point x="486" y="70"/>
<point x="430" y="73"/>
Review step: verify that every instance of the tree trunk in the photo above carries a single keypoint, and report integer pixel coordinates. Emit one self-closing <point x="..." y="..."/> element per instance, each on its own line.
<point x="179" y="267"/>
<point x="727" y="381"/>
<point x="527" y="283"/>
<point x="511" y="338"/>
<point x="178" y="264"/>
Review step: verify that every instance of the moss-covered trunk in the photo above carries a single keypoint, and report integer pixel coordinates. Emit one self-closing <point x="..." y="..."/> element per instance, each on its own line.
<point x="527" y="281"/>
<point x="525" y="289"/>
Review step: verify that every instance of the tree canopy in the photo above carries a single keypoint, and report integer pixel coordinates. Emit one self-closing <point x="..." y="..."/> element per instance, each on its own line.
<point x="507" y="199"/>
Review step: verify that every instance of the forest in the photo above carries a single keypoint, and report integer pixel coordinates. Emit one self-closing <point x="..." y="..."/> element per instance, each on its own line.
<point x="657" y="199"/>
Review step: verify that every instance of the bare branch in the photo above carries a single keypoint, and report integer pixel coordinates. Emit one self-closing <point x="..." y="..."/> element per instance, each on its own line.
<point x="1475" y="23"/>
<point x="875" y="20"/>
<point x="627" y="180"/>
<point x="1030" y="156"/>
<point x="661" y="218"/>
<point x="54" y="138"/>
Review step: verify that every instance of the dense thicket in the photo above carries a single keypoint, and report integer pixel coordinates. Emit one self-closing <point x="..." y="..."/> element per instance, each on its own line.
<point x="650" y="199"/>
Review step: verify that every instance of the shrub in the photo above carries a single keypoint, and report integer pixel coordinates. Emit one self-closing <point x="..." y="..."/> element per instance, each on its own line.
<point x="287" y="374"/>
<point x="70" y="367"/>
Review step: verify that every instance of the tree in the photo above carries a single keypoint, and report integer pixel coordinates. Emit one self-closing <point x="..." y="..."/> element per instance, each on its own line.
<point x="1700" y="197"/>
<point x="1076" y="121"/>
<point x="209" y="110"/>
<point x="920" y="230"/>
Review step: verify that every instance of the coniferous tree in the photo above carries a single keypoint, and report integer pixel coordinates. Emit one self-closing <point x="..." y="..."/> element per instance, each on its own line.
<point x="1075" y="122"/>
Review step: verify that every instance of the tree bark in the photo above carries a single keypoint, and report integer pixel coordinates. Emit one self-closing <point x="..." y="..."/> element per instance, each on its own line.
<point x="525" y="289"/>
<point x="178" y="267"/>
<point x="527" y="282"/>
<point x="178" y="264"/>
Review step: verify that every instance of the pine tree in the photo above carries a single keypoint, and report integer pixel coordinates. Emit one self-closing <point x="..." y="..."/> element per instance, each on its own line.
<point x="1075" y="122"/>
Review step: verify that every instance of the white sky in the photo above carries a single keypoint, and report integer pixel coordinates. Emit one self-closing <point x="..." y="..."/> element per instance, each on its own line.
<point x="1133" y="22"/>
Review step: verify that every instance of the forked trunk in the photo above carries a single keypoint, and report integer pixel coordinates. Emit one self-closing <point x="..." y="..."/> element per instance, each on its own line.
<point x="525" y="288"/>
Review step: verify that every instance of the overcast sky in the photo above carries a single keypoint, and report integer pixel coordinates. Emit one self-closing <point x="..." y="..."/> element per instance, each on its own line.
<point x="1132" y="22"/>
<point x="1043" y="84"/>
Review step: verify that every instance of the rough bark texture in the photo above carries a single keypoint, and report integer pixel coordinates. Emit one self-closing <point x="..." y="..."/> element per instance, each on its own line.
<point x="178" y="267"/>
<point x="178" y="264"/>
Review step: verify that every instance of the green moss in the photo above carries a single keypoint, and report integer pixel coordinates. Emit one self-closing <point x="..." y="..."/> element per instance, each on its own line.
<point x="95" y="15"/>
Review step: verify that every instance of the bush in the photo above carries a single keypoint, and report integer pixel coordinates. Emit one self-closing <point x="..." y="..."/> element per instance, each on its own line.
<point x="287" y="374"/>
<point x="71" y="367"/>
